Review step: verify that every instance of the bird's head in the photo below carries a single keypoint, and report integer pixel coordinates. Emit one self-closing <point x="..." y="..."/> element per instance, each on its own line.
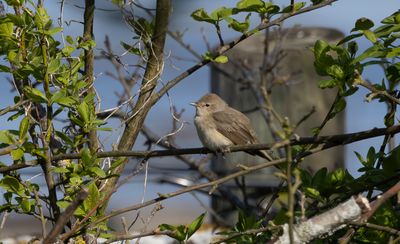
<point x="208" y="104"/>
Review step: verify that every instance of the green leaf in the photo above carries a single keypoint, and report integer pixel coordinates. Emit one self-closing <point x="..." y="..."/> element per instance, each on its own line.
<point x="75" y="180"/>
<point x="327" y="83"/>
<point x="393" y="53"/>
<point x="372" y="52"/>
<point x="53" y="31"/>
<point x="319" y="177"/>
<point x="239" y="26"/>
<point x="392" y="19"/>
<point x="35" y="94"/>
<point x="348" y="38"/>
<point x="98" y="171"/>
<point x="180" y="233"/>
<point x="84" y="112"/>
<point x="17" y="154"/>
<point x="250" y="6"/>
<point x="297" y="6"/>
<point x="13" y="185"/>
<point x="352" y="47"/>
<point x="371" y="157"/>
<point x="54" y="65"/>
<point x="320" y="47"/>
<point x="130" y="48"/>
<point x="4" y="68"/>
<point x="393" y="74"/>
<point x="391" y="163"/>
<point x="63" y="204"/>
<point x="335" y="71"/>
<point x="363" y="24"/>
<point x="168" y="227"/>
<point x="75" y="120"/>
<point x="312" y="192"/>
<point x="67" y="50"/>
<point x="23" y="128"/>
<point x="221" y="59"/>
<point x="360" y="158"/>
<point x="67" y="101"/>
<point x="25" y="205"/>
<point x="93" y="197"/>
<point x="59" y="170"/>
<point x="337" y="176"/>
<point x="6" y="137"/>
<point x="65" y="138"/>
<point x="12" y="56"/>
<point x="195" y="225"/>
<point x="87" y="45"/>
<point x="41" y="18"/>
<point x="6" y="30"/>
<point x="87" y="158"/>
<point x="57" y="95"/>
<point x="221" y="13"/>
<point x="201" y="15"/>
<point x="69" y="39"/>
<point x="370" y="35"/>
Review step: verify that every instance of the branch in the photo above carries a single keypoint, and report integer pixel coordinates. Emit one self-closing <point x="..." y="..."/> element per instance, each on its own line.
<point x="326" y="222"/>
<point x="326" y="141"/>
<point x="381" y="199"/>
<point x="64" y="217"/>
<point x="377" y="227"/>
<point x="6" y="169"/>
<point x="89" y="63"/>
<point x="13" y="107"/>
<point x="153" y="71"/>
<point x="375" y="91"/>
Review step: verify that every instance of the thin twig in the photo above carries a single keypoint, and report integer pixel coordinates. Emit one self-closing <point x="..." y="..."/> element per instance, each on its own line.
<point x="42" y="218"/>
<point x="376" y="227"/>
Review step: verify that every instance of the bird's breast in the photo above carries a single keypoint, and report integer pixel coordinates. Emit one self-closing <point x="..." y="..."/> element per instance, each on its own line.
<point x="209" y="135"/>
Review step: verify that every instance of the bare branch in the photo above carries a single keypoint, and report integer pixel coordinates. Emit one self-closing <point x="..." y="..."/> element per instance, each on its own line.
<point x="325" y="141"/>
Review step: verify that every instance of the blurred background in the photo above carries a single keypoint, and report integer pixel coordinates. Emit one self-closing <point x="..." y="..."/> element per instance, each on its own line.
<point x="341" y="16"/>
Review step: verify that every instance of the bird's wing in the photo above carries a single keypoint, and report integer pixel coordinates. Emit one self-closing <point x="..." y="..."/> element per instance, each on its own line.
<point x="235" y="126"/>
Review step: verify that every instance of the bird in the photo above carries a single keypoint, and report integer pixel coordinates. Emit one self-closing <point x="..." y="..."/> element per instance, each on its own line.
<point x="219" y="126"/>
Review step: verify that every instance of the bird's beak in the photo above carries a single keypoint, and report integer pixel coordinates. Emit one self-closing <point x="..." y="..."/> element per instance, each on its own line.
<point x="193" y="104"/>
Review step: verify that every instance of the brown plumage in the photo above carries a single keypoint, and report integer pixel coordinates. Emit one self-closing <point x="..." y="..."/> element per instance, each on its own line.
<point x="220" y="126"/>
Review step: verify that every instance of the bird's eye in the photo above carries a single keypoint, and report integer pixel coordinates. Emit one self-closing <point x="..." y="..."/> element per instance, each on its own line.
<point x="207" y="105"/>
